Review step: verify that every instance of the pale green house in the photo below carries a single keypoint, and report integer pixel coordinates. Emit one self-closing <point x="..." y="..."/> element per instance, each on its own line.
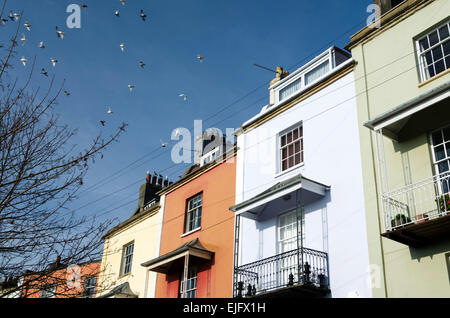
<point x="402" y="81"/>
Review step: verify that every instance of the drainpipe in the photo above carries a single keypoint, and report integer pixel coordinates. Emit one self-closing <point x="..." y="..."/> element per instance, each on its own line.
<point x="374" y="173"/>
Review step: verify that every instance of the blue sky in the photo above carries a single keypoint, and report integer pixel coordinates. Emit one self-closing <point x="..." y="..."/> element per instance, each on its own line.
<point x="232" y="35"/>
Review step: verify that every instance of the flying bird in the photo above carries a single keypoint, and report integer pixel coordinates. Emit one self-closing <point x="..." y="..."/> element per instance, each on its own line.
<point x="24" y="61"/>
<point x="27" y="25"/>
<point x="122" y="46"/>
<point x="67" y="93"/>
<point x="43" y="72"/>
<point x="16" y="16"/>
<point x="54" y="61"/>
<point x="143" y="15"/>
<point x="41" y="45"/>
<point x="163" y="144"/>
<point x="102" y="122"/>
<point x="84" y="6"/>
<point x="4" y="21"/>
<point x="109" y="111"/>
<point x="116" y="13"/>
<point x="11" y="16"/>
<point x="59" y="33"/>
<point x="184" y="96"/>
<point x="23" y="39"/>
<point x="141" y="64"/>
<point x="131" y="87"/>
<point x="123" y="2"/>
<point x="200" y="58"/>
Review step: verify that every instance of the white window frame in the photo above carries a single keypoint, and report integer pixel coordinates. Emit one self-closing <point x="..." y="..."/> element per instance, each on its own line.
<point x="89" y="286"/>
<point x="191" y="278"/>
<point x="190" y="212"/>
<point x="327" y="55"/>
<point x="280" y="150"/>
<point x="127" y="259"/>
<point x="281" y="278"/>
<point x="435" y="161"/>
<point x="421" y="55"/>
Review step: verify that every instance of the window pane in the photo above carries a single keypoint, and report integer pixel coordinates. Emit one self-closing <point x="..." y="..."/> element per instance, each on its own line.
<point x="283" y="141"/>
<point x="447" y="148"/>
<point x="289" y="137"/>
<point x="291" y="162"/>
<point x="443" y="32"/>
<point x="437" y="53"/>
<point x="423" y="44"/>
<point x="443" y="167"/>
<point x="297" y="159"/>
<point x="439" y="153"/>
<point x="317" y="72"/>
<point x="446" y="48"/>
<point x="291" y="150"/>
<point x="295" y="134"/>
<point x="447" y="134"/>
<point x="284" y="153"/>
<point x="439" y="66"/>
<point x="428" y="58"/>
<point x="447" y="62"/>
<point x="437" y="138"/>
<point x="290" y="90"/>
<point x="284" y="165"/>
<point x="433" y="38"/>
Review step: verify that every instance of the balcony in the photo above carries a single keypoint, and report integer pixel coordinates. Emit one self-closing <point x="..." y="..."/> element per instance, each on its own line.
<point x="282" y="276"/>
<point x="418" y="214"/>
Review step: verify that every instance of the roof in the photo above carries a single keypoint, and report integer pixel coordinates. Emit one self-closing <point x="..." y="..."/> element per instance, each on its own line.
<point x="166" y="259"/>
<point x="405" y="106"/>
<point x="133" y="218"/>
<point x="195" y="170"/>
<point x="277" y="188"/>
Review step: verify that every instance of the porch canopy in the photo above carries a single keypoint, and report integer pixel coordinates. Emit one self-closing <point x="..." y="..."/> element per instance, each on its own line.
<point x="163" y="263"/>
<point x="281" y="197"/>
<point x="418" y="115"/>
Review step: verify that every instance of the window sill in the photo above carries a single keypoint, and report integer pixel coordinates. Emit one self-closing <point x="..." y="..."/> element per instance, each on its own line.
<point x="190" y="232"/>
<point x="124" y="275"/>
<point x="282" y="173"/>
<point x="447" y="71"/>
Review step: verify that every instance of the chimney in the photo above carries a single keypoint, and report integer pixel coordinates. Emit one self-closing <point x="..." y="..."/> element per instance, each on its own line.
<point x="280" y="74"/>
<point x="148" y="190"/>
<point x="386" y="5"/>
<point x="166" y="182"/>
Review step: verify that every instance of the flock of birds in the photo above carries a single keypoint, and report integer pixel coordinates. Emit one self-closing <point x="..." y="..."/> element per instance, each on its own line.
<point x="60" y="34"/>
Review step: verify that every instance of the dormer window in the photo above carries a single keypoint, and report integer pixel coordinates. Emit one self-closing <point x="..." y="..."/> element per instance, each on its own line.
<point x="317" y="72"/>
<point x="309" y="74"/>
<point x="290" y="89"/>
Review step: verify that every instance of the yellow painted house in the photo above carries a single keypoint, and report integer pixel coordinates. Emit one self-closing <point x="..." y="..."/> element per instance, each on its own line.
<point x="130" y="244"/>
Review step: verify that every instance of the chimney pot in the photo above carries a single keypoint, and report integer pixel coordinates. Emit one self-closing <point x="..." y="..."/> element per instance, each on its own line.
<point x="154" y="180"/>
<point x="147" y="178"/>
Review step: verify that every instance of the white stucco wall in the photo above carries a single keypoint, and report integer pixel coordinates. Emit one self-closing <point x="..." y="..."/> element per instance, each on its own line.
<point x="335" y="224"/>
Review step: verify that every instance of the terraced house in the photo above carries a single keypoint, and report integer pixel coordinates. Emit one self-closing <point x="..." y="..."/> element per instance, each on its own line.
<point x="300" y="214"/>
<point x="402" y="86"/>
<point x="195" y="258"/>
<point x="129" y="244"/>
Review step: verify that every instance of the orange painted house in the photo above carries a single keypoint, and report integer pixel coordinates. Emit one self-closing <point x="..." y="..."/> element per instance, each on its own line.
<point x="197" y="236"/>
<point x="56" y="281"/>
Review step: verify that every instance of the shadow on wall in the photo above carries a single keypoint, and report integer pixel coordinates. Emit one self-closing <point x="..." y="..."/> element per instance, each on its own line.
<point x="433" y="250"/>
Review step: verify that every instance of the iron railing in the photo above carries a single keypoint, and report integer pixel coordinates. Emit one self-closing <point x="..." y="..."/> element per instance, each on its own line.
<point x="282" y="270"/>
<point x="428" y="199"/>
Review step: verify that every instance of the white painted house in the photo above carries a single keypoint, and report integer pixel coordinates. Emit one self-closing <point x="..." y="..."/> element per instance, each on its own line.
<point x="299" y="159"/>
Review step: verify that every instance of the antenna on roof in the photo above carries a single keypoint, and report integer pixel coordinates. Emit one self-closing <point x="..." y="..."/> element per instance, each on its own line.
<point x="265" y="68"/>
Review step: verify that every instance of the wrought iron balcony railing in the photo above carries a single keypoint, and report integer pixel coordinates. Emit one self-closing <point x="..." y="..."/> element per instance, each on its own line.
<point x="282" y="270"/>
<point x="425" y="200"/>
